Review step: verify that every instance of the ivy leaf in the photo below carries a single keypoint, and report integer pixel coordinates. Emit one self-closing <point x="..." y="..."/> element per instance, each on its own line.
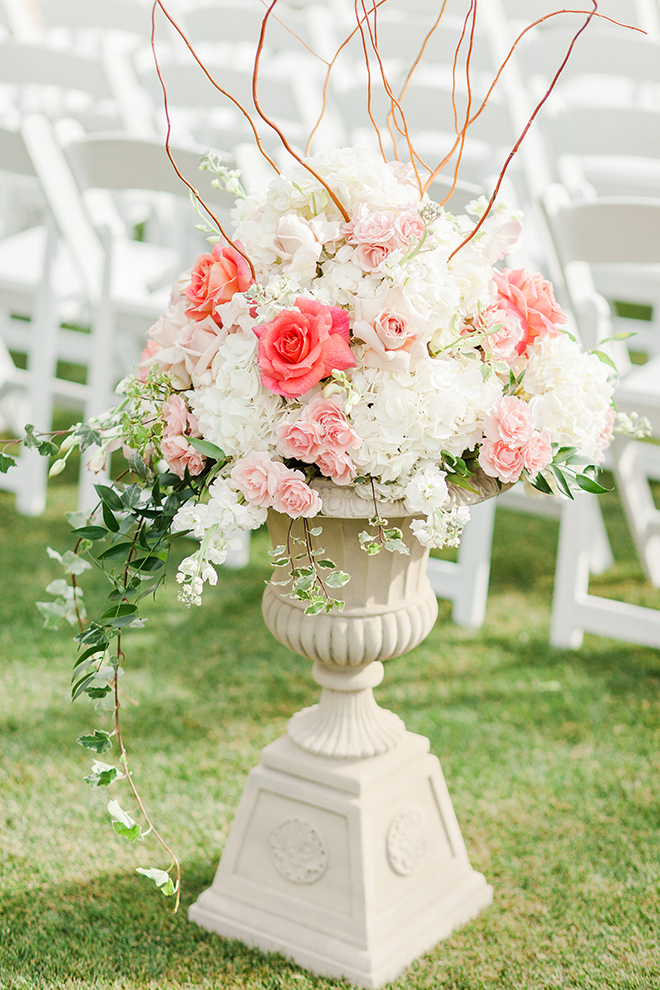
<point x="6" y="462"/>
<point x="132" y="497"/>
<point x="397" y="545"/>
<point x="99" y="741"/>
<point x="161" y="878"/>
<point x="137" y="466"/>
<point x="134" y="833"/>
<point x="94" y="635"/>
<point x="337" y="579"/>
<point x="277" y="552"/>
<point x="316" y="531"/>
<point x="207" y="448"/>
<point x="326" y="563"/>
<point x="373" y="548"/>
<point x="87" y="436"/>
<point x="102" y="774"/>
<point x="80" y="685"/>
<point x="316" y="607"/>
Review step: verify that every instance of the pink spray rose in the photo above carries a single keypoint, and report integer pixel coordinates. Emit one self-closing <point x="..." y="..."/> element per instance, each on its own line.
<point x="180" y="455"/>
<point x="178" y="420"/>
<point x="501" y="460"/>
<point x="214" y="280"/>
<point x="531" y="299"/>
<point x="303" y="345"/>
<point x="375" y="234"/>
<point x="537" y="453"/>
<point x="301" y="440"/>
<point x="259" y="477"/>
<point x="293" y="496"/>
<point x="605" y="437"/>
<point x="507" y="343"/>
<point x="511" y="422"/>
<point x="336" y="464"/>
<point x="410" y="224"/>
<point x="148" y="353"/>
<point x="328" y="415"/>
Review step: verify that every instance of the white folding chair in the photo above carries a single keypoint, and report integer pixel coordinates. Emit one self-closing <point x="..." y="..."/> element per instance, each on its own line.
<point x="590" y="233"/>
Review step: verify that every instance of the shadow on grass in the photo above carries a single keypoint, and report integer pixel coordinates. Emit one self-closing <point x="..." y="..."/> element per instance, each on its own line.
<point x="111" y="929"/>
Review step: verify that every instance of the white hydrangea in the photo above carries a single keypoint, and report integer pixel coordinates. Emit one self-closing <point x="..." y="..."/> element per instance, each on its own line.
<point x="236" y="412"/>
<point x="570" y="393"/>
<point x="407" y="418"/>
<point x="427" y="490"/>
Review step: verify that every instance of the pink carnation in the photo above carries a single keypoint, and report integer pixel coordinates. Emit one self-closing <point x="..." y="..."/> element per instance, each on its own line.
<point x="180" y="455"/>
<point x="215" y="278"/>
<point x="537" y="453"/>
<point x="336" y="464"/>
<point x="500" y="460"/>
<point x="531" y="299"/>
<point x="303" y="345"/>
<point x="293" y="496"/>
<point x="259" y="477"/>
<point x="511" y="422"/>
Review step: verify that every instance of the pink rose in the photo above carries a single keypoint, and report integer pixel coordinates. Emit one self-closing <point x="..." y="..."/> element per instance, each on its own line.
<point x="163" y="349"/>
<point x="293" y="497"/>
<point x="372" y="228"/>
<point x="149" y="352"/>
<point x="500" y="460"/>
<point x="531" y="299"/>
<point x="537" y="453"/>
<point x="511" y="422"/>
<point x="605" y="437"/>
<point x="303" y="345"/>
<point x="258" y="477"/>
<point x="336" y="464"/>
<point x="328" y="416"/>
<point x="180" y="455"/>
<point x="178" y="420"/>
<point x="410" y="224"/>
<point x="369" y="257"/>
<point x="299" y="243"/>
<point x="215" y="278"/>
<point x="394" y="330"/>
<point x="301" y="440"/>
<point x="507" y="343"/>
<point x="200" y="342"/>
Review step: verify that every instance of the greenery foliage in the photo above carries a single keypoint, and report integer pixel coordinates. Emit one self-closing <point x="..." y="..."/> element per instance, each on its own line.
<point x="551" y="757"/>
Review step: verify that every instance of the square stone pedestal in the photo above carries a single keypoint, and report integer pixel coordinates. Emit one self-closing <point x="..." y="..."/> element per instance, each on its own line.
<point x="350" y="867"/>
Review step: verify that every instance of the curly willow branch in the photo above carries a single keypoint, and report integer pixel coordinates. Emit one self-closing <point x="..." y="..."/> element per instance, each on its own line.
<point x="525" y="130"/>
<point x="271" y="123"/>
<point x="168" y="148"/>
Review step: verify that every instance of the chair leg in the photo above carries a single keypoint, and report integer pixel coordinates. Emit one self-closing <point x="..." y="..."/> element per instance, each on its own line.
<point x="465" y="583"/>
<point x="635" y="493"/>
<point x="572" y="571"/>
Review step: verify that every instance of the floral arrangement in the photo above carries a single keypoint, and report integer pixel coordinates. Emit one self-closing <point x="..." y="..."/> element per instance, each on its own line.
<point x="351" y="329"/>
<point x="370" y="352"/>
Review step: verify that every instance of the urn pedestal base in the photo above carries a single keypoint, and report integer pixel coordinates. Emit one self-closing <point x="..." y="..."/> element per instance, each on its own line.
<point x="352" y="867"/>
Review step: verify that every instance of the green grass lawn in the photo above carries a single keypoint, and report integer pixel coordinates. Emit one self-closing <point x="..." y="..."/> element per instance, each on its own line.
<point x="552" y="759"/>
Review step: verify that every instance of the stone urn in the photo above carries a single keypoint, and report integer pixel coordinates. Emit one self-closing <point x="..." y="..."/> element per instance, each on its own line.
<point x="345" y="853"/>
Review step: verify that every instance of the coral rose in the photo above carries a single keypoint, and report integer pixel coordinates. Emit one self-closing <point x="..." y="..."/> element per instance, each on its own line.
<point x="294" y="497"/>
<point x="531" y="299"/>
<point x="303" y="345"/>
<point x="215" y="278"/>
<point x="259" y="477"/>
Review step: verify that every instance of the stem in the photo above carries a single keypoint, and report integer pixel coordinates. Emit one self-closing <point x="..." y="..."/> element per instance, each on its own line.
<point x="310" y="557"/>
<point x="381" y="537"/>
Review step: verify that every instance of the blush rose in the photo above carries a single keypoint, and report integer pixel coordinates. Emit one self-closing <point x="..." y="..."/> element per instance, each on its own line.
<point x="258" y="477"/>
<point x="511" y="422"/>
<point x="303" y="345"/>
<point x="293" y="496"/>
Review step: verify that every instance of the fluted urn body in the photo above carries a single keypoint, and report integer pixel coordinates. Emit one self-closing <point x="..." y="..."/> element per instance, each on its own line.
<point x="389" y="609"/>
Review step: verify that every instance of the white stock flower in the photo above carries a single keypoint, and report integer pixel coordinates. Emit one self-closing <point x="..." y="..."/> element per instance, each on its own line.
<point x="441" y="529"/>
<point x="427" y="490"/>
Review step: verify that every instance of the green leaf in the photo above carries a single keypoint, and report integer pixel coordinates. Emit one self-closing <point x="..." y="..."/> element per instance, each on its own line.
<point x="6" y="462"/>
<point x="588" y="484"/>
<point x="316" y="607"/>
<point x="277" y="552"/>
<point x="304" y="583"/>
<point x="91" y="532"/>
<point x="148" y="564"/>
<point x="337" y="579"/>
<point x="94" y="635"/>
<point x="316" y="531"/>
<point x="116" y="551"/>
<point x="124" y="609"/>
<point x="373" y="548"/>
<point x="88" y="436"/>
<point x="460" y="482"/>
<point x="398" y="546"/>
<point x="330" y="564"/>
<point x="80" y="685"/>
<point x="99" y="741"/>
<point x="541" y="485"/>
<point x="563" y="454"/>
<point x="93" y="653"/>
<point x="109" y="519"/>
<point x="561" y="481"/>
<point x="132" y="497"/>
<point x="109" y="497"/>
<point x="206" y="448"/>
<point x="605" y="358"/>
